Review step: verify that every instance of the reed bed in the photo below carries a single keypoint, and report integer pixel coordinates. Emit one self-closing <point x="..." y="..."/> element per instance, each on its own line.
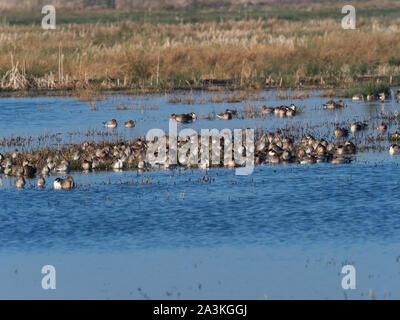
<point x="247" y="53"/>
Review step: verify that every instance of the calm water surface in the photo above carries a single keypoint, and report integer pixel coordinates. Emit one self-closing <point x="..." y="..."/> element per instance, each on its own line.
<point x="283" y="232"/>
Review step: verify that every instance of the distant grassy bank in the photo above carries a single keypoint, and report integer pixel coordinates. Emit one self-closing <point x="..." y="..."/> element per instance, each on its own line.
<point x="240" y="47"/>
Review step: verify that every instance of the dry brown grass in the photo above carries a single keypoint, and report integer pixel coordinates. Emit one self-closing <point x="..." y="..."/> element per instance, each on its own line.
<point x="245" y="54"/>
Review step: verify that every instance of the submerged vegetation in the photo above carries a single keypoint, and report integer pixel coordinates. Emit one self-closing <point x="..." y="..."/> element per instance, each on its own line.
<point x="230" y="45"/>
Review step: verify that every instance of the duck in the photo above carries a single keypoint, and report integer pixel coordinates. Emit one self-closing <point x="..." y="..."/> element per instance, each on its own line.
<point x="394" y="149"/>
<point x="341" y="132"/>
<point x="224" y="116"/>
<point x="382" y="127"/>
<point x="371" y="97"/>
<point x="20" y="183"/>
<point x="398" y="95"/>
<point x="130" y="124"/>
<point x="111" y="124"/>
<point x="29" y="171"/>
<point x="350" y="147"/>
<point x="183" y="118"/>
<point x="118" y="165"/>
<point x="290" y="113"/>
<point x="86" y="165"/>
<point x="357" y="97"/>
<point x="41" y="182"/>
<point x="383" y="96"/>
<point x="358" y="126"/>
<point x="57" y="184"/>
<point x="267" y="110"/>
<point x="232" y="111"/>
<point x="64" y="184"/>
<point x="64" y="166"/>
<point x="340" y="160"/>
<point x="331" y="104"/>
<point x="45" y="171"/>
<point x="68" y="183"/>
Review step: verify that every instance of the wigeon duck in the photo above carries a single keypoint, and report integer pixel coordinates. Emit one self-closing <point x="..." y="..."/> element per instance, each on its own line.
<point x="394" y="149"/>
<point x="371" y="97"/>
<point x="64" y="166"/>
<point x="286" y="155"/>
<point x="350" y="147"/>
<point x="130" y="124"/>
<point x="111" y="123"/>
<point x="340" y="149"/>
<point x="183" y="118"/>
<point x="267" y="110"/>
<point x="358" y="126"/>
<point x="86" y="165"/>
<point x="341" y="132"/>
<point x="20" y="183"/>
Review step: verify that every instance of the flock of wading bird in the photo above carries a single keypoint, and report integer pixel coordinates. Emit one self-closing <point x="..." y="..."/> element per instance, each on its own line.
<point x="270" y="148"/>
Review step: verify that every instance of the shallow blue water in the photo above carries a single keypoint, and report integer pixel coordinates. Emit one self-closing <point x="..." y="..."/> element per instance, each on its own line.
<point x="275" y="205"/>
<point x="333" y="208"/>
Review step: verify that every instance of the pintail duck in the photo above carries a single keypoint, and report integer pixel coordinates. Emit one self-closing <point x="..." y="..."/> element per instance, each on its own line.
<point x="41" y="182"/>
<point x="394" y="149"/>
<point x="358" y="126"/>
<point x="383" y="96"/>
<point x="341" y="132"/>
<point x="64" y="184"/>
<point x="130" y="124"/>
<point x="20" y="183"/>
<point x="183" y="118"/>
<point x="111" y="123"/>
<point x="224" y="116"/>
